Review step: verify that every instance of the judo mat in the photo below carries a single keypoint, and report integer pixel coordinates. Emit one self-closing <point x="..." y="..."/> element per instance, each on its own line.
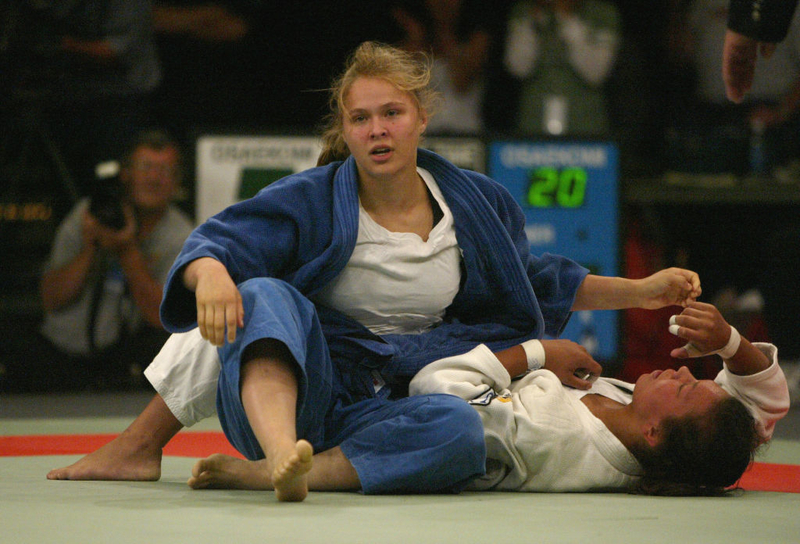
<point x="38" y="433"/>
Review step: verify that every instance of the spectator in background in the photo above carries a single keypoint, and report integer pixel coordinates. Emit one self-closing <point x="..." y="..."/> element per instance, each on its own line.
<point x="205" y="21"/>
<point x="101" y="67"/>
<point x="749" y="33"/>
<point x="562" y="52"/>
<point x="459" y="35"/>
<point x="753" y="28"/>
<point x="209" y="56"/>
<point x="102" y="284"/>
<point x="648" y="343"/>
<point x="768" y="117"/>
<point x="222" y="58"/>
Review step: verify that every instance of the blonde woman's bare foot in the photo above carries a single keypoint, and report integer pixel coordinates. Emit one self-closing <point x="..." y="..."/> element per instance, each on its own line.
<point x="225" y="472"/>
<point x="290" y="475"/>
<point x="127" y="457"/>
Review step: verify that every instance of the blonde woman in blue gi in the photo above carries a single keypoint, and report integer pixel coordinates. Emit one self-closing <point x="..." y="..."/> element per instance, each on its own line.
<point x="331" y="288"/>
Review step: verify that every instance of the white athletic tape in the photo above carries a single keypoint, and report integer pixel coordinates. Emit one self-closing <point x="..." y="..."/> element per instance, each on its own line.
<point x="534" y="353"/>
<point x="585" y="375"/>
<point x="732" y="346"/>
<point x="726" y="352"/>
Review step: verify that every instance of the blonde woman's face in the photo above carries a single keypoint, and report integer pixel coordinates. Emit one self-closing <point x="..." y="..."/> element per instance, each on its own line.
<point x="382" y="126"/>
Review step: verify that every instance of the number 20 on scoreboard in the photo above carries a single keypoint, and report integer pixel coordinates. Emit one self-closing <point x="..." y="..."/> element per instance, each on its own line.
<point x="557" y="187"/>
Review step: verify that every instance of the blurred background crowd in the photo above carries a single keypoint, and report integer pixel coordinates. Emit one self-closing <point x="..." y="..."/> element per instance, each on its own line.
<point x="637" y="74"/>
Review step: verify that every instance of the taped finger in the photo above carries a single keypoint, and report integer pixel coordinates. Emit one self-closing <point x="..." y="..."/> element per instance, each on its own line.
<point x="692" y="350"/>
<point x="585" y="375"/>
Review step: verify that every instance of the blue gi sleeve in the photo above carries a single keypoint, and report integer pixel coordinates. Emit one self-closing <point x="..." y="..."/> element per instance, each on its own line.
<point x="274" y="234"/>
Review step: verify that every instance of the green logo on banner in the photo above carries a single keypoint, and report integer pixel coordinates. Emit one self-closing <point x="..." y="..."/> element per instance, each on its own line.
<point x="254" y="179"/>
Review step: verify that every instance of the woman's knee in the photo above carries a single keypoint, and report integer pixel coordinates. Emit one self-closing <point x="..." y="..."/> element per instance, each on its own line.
<point x="465" y="426"/>
<point x="270" y="300"/>
<point x="265" y="287"/>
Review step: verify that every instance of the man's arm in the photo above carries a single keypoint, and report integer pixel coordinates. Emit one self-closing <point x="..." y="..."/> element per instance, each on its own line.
<point x="62" y="284"/>
<point x="145" y="289"/>
<point x="209" y="22"/>
<point x="754" y="27"/>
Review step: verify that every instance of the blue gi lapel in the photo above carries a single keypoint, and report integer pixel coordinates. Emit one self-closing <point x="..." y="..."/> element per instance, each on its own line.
<point x="483" y="237"/>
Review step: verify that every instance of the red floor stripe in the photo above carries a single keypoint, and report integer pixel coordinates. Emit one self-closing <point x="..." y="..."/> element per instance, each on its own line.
<point x="184" y="444"/>
<point x="772" y="477"/>
<point x="760" y="477"/>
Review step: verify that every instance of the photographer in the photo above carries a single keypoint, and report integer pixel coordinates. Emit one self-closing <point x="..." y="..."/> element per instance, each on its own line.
<point x="102" y="283"/>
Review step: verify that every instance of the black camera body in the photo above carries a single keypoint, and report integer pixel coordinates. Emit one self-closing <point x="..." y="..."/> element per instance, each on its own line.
<point x="107" y="194"/>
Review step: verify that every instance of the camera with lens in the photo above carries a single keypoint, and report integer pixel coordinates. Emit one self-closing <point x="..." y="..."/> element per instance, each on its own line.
<point x="107" y="195"/>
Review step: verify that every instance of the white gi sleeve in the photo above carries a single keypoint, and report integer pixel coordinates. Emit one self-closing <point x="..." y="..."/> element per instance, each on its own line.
<point x="765" y="394"/>
<point x="185" y="373"/>
<point x="469" y="375"/>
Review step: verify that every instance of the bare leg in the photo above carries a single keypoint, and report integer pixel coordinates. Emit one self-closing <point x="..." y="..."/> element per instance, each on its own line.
<point x="269" y="397"/>
<point x="331" y="471"/>
<point x="221" y="471"/>
<point x="133" y="455"/>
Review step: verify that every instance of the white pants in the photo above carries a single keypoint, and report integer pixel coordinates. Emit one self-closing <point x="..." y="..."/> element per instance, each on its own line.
<point x="185" y="374"/>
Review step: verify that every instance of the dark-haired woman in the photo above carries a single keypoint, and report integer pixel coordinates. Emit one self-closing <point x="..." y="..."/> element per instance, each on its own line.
<point x="667" y="434"/>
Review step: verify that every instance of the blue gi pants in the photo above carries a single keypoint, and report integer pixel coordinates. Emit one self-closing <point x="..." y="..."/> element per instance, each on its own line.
<point x="430" y="443"/>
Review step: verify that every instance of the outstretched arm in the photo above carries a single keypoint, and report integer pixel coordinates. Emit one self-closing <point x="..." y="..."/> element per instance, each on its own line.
<point x="673" y="286"/>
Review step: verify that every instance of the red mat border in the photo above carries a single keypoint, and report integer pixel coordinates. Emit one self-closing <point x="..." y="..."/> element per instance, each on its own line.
<point x="759" y="477"/>
<point x="183" y="444"/>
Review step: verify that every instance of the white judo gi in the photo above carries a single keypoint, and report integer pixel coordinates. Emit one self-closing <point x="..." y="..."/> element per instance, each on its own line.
<point x="541" y="437"/>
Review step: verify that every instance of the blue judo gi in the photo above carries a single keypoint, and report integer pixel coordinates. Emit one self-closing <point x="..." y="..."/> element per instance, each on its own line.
<point x="294" y="237"/>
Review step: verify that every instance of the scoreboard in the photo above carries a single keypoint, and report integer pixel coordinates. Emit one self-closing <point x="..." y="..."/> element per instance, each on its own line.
<point x="568" y="192"/>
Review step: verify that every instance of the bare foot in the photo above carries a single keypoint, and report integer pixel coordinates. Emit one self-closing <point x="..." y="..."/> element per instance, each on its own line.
<point x="124" y="458"/>
<point x="225" y="472"/>
<point x="289" y="477"/>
